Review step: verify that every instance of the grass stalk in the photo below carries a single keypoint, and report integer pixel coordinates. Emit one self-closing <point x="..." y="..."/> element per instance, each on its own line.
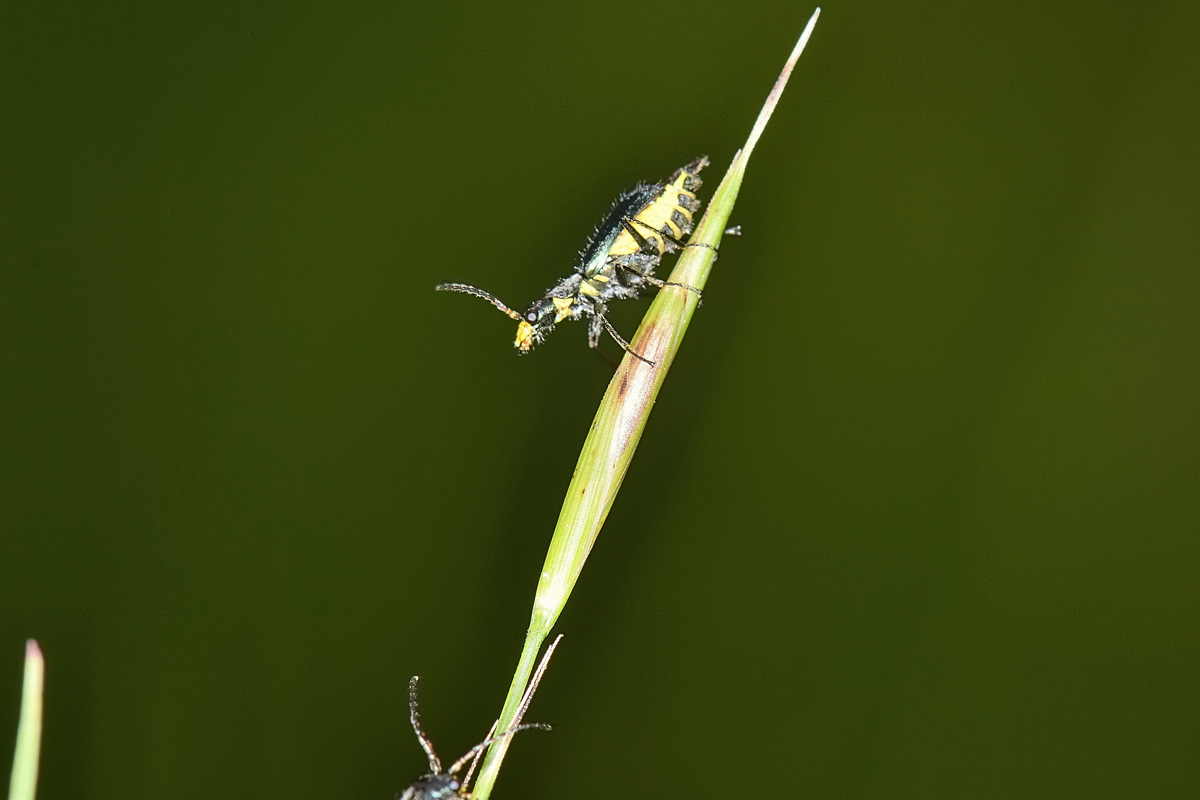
<point x="619" y="422"/>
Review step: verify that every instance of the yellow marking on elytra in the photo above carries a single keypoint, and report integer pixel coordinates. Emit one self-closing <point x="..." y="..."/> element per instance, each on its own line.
<point x="587" y="288"/>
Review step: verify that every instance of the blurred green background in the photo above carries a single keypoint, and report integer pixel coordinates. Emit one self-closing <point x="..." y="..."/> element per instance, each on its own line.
<point x="916" y="514"/>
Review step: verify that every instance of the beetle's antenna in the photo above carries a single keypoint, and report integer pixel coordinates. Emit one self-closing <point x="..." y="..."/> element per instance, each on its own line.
<point x="468" y="289"/>
<point x="474" y="752"/>
<point x="435" y="763"/>
<point x="516" y="726"/>
<point x="478" y="755"/>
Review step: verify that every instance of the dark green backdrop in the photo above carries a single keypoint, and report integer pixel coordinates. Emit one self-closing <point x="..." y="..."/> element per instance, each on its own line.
<point x="916" y="514"/>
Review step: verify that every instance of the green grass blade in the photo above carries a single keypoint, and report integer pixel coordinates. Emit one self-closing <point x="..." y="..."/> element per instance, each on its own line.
<point x="29" y="731"/>
<point x="619" y="422"/>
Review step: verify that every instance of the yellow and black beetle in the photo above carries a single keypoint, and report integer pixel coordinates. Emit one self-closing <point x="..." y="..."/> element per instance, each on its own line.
<point x="619" y="259"/>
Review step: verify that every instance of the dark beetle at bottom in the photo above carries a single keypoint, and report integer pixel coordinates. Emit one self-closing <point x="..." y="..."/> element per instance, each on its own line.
<point x="438" y="785"/>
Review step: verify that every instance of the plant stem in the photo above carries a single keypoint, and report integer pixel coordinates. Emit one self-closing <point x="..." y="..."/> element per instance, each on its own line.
<point x="619" y="422"/>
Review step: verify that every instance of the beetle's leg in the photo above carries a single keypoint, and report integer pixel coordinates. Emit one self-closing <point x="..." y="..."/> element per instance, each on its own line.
<point x="642" y="241"/>
<point x="644" y="244"/>
<point x="594" y="328"/>
<point x="599" y="321"/>
<point x="656" y="282"/>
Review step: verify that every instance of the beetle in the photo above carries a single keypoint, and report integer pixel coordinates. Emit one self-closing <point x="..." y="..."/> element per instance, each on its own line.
<point x="439" y="785"/>
<point x="619" y="259"/>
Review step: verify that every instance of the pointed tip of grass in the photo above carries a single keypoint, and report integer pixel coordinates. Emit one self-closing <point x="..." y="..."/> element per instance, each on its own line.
<point x="768" y="108"/>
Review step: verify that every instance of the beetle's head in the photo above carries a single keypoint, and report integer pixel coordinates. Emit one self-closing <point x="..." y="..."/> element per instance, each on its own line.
<point x="539" y="319"/>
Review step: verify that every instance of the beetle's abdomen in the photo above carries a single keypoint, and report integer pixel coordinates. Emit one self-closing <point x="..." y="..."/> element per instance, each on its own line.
<point x="664" y="207"/>
<point x="669" y="211"/>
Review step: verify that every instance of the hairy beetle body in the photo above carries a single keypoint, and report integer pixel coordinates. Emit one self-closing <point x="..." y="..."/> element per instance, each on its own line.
<point x="619" y="259"/>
